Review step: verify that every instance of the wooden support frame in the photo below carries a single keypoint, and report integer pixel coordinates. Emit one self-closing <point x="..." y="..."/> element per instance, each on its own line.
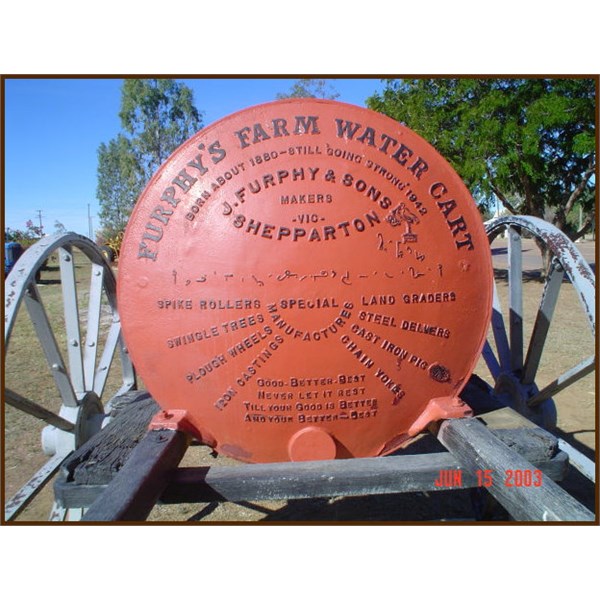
<point x="507" y="441"/>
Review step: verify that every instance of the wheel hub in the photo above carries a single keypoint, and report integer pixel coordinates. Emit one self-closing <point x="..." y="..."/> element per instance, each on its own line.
<point x="88" y="418"/>
<point x="515" y="394"/>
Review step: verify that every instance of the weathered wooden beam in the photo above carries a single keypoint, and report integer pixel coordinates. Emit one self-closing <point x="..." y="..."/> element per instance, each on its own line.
<point x="93" y="466"/>
<point x="326" y="479"/>
<point x="138" y="485"/>
<point x="478" y="449"/>
<point x="310" y="479"/>
<point x="354" y="477"/>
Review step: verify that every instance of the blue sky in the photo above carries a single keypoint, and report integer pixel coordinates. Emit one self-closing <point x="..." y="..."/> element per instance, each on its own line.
<point x="53" y="128"/>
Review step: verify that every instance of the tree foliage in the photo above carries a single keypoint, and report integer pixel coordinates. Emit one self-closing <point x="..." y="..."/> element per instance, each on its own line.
<point x="310" y="88"/>
<point x="157" y="116"/>
<point x="31" y="234"/>
<point x="119" y="184"/>
<point x="528" y="142"/>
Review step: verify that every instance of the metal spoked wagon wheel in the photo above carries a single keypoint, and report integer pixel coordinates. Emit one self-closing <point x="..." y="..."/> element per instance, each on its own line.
<point x="69" y="312"/>
<point x="514" y="364"/>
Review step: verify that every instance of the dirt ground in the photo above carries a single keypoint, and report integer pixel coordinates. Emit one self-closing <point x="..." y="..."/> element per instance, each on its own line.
<point x="569" y="342"/>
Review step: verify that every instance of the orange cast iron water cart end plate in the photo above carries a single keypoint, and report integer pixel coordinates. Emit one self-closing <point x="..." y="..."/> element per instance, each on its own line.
<point x="302" y="278"/>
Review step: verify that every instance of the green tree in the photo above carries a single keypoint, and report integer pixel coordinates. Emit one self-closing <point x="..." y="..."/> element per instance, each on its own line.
<point x="119" y="184"/>
<point x="27" y="236"/>
<point x="18" y="235"/>
<point x="157" y="116"/>
<point x="310" y="88"/>
<point x="528" y="142"/>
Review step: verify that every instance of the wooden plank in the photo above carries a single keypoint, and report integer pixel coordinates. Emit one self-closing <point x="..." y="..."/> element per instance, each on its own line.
<point x="140" y="484"/>
<point x="354" y="477"/>
<point x="534" y="445"/>
<point x="326" y="479"/>
<point x="136" y="488"/>
<point x="101" y="458"/>
<point x="97" y="462"/>
<point x="478" y="449"/>
<point x="310" y="479"/>
<point x="528" y="439"/>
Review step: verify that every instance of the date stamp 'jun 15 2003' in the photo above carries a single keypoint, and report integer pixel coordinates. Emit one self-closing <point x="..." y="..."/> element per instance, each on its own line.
<point x="454" y="478"/>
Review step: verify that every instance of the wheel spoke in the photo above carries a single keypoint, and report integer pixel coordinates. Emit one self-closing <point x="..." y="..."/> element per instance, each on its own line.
<point x="499" y="330"/>
<point x="71" y="312"/>
<point x="93" y="324"/>
<point x="490" y="360"/>
<point x="578" y="460"/>
<point x="112" y="340"/>
<point x="515" y="292"/>
<point x="35" y="410"/>
<point x="28" y="492"/>
<point x="565" y="380"/>
<point x="542" y="322"/>
<point x="39" y="318"/>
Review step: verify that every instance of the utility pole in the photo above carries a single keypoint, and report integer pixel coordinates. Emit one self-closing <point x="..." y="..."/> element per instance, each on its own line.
<point x="41" y="226"/>
<point x="90" y="231"/>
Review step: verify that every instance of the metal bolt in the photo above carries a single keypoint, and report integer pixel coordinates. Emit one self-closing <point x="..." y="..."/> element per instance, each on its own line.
<point x="91" y="344"/>
<point x="67" y="258"/>
<point x="74" y="343"/>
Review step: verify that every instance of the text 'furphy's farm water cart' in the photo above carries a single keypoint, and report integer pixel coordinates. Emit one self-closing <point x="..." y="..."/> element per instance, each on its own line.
<point x="303" y="281"/>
